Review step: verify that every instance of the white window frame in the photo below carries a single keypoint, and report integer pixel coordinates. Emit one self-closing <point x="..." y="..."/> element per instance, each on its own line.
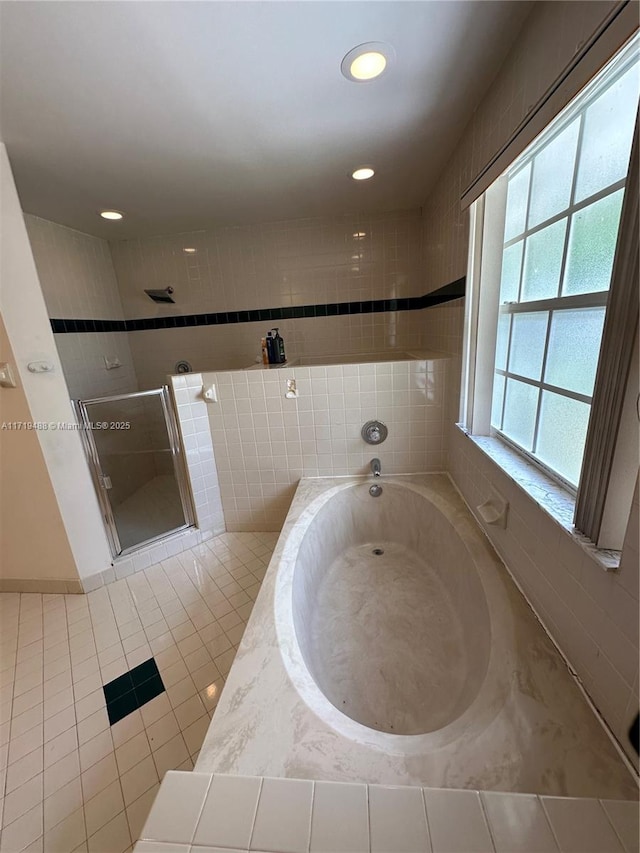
<point x="610" y="418"/>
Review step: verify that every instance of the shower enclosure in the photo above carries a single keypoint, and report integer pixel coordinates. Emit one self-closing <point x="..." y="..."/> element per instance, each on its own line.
<point x="137" y="465"/>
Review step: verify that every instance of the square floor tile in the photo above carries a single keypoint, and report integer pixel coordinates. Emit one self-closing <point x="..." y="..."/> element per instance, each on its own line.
<point x="118" y="687"/>
<point x="148" y="690"/>
<point x="121" y="707"/>
<point x="132" y="690"/>
<point x="99" y="709"/>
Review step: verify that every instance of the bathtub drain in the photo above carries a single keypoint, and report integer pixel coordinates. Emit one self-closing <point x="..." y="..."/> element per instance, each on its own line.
<point x="378" y="552"/>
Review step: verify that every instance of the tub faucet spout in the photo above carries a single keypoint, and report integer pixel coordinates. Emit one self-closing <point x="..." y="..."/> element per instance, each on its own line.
<point x="376" y="467"/>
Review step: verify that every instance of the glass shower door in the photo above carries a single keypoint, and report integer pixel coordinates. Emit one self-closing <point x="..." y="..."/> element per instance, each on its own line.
<point x="137" y="465"/>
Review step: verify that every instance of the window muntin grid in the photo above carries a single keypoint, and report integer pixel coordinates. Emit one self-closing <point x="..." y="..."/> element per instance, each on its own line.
<point x="543" y="278"/>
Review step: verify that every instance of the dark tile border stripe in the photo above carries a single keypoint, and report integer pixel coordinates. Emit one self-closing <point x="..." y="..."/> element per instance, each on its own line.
<point x="376" y="306"/>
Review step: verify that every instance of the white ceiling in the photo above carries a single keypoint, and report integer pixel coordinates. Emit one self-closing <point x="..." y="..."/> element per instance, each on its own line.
<point x="190" y="114"/>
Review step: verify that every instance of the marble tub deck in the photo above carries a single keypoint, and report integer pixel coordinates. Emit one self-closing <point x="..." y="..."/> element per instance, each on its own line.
<point x="529" y="730"/>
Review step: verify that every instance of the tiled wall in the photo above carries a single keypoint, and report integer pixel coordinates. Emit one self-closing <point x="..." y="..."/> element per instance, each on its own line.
<point x="83" y="362"/>
<point x="591" y="614"/>
<point x="281" y="264"/>
<point x="236" y="346"/>
<point x="193" y="424"/>
<point x="197" y="813"/>
<point x="297" y="262"/>
<point x="78" y="281"/>
<point x="265" y="442"/>
<point x="76" y="271"/>
<point x="272" y="265"/>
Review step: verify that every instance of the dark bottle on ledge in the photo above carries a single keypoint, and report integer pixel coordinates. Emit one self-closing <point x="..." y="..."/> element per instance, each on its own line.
<point x="278" y="345"/>
<point x="271" y="350"/>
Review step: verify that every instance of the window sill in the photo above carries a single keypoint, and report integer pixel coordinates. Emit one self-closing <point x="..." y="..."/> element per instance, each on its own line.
<point x="545" y="492"/>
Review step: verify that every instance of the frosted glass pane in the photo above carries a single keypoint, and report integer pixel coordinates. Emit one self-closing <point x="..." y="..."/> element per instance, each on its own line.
<point x="517" y="195"/>
<point x="496" y="404"/>
<point x="561" y="434"/>
<point x="553" y="176"/>
<point x="542" y="262"/>
<point x="520" y="412"/>
<point x="574" y="344"/>
<point x="608" y="132"/>
<point x="527" y="344"/>
<point x="592" y="245"/>
<point x="510" y="280"/>
<point x="502" y="341"/>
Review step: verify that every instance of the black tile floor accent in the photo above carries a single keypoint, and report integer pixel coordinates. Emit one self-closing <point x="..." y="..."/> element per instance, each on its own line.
<point x="132" y="690"/>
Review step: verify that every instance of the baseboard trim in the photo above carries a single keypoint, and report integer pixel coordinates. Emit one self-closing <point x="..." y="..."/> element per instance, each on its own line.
<point x="48" y="586"/>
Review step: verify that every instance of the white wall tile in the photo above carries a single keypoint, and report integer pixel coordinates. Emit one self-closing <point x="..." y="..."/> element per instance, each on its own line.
<point x="283" y="819"/>
<point x="75" y="270"/>
<point x="229" y="812"/>
<point x="625" y="819"/>
<point x="82" y="356"/>
<point x="340" y="819"/>
<point x="292" y="270"/>
<point x="296" y="262"/>
<point x="200" y="460"/>
<point x="78" y="281"/>
<point x="583" y="607"/>
<point x="261" y="455"/>
<point x="341" y="813"/>
<point x="456" y="822"/>
<point x="581" y="826"/>
<point x="177" y="807"/>
<point x="397" y="820"/>
<point x="518" y="823"/>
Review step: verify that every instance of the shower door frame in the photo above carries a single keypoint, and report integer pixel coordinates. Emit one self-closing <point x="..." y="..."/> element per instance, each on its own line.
<point x="102" y="491"/>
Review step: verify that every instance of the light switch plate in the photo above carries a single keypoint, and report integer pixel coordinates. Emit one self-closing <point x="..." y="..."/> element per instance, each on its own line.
<point x="6" y="376"/>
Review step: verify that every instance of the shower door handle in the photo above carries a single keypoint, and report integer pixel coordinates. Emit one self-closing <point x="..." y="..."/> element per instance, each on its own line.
<point x="105" y="482"/>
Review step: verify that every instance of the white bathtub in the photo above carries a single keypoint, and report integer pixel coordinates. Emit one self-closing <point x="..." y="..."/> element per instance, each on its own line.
<point x="400" y="641"/>
<point x="422" y="665"/>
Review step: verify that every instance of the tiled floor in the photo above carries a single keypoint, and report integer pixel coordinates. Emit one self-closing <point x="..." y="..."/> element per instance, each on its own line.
<point x="68" y="780"/>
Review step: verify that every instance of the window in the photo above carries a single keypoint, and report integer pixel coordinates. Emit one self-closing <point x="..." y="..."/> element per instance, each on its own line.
<point x="545" y="242"/>
<point x="563" y="203"/>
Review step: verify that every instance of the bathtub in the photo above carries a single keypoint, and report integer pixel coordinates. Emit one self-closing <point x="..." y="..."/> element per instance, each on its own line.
<point x="389" y="645"/>
<point x="375" y="583"/>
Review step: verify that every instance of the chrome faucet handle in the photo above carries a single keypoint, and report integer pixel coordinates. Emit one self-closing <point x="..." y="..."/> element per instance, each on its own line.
<point x="374" y="432"/>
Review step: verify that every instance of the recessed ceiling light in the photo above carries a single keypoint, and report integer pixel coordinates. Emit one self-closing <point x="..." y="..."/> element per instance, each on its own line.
<point x="359" y="235"/>
<point x="111" y="214"/>
<point x="367" y="61"/>
<point x="363" y="173"/>
<point x="368" y="65"/>
<point x="189" y="250"/>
